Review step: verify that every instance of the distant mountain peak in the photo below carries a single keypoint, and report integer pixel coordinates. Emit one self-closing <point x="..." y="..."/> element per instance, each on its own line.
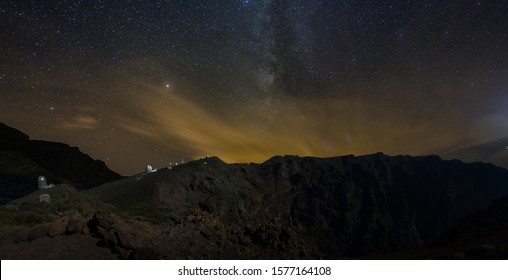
<point x="23" y="160"/>
<point x="9" y="133"/>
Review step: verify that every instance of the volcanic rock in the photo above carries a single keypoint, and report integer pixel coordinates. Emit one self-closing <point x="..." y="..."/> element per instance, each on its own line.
<point x="329" y="207"/>
<point x="285" y="208"/>
<point x="58" y="226"/>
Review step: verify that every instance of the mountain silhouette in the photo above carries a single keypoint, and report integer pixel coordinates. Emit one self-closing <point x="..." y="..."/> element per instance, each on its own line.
<point x="495" y="151"/>
<point x="342" y="207"/>
<point x="289" y="207"/>
<point x="22" y="160"/>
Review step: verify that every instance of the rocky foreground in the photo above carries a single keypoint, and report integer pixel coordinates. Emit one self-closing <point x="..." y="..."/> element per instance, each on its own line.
<point x="286" y="208"/>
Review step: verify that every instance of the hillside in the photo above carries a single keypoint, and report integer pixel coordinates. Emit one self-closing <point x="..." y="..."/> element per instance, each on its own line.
<point x="338" y="207"/>
<point x="22" y="160"/>
<point x="289" y="207"/>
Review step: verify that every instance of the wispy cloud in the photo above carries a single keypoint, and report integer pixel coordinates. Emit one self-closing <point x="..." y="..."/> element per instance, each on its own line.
<point x="278" y="126"/>
<point x="81" y="122"/>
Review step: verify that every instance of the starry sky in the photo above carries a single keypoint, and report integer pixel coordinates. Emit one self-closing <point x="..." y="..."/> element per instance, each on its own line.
<point x="152" y="82"/>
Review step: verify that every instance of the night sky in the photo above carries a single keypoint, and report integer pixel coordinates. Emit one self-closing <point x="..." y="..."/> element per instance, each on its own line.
<point x="152" y="82"/>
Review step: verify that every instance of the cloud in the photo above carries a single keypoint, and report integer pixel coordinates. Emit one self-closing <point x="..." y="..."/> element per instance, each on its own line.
<point x="284" y="125"/>
<point x="81" y="122"/>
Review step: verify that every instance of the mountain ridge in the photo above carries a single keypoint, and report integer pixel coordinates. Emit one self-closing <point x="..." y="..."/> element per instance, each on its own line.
<point x="22" y="160"/>
<point x="287" y="207"/>
<point x="349" y="206"/>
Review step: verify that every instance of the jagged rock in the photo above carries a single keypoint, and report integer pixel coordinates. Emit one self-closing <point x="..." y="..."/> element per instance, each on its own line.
<point x="104" y="219"/>
<point x="285" y="208"/>
<point x="58" y="226"/>
<point x="108" y="237"/>
<point x="76" y="223"/>
<point x="318" y="207"/>
<point x="125" y="239"/>
<point x="75" y="226"/>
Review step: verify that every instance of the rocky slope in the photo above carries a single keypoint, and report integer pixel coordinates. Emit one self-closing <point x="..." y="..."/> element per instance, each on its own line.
<point x="55" y="230"/>
<point x="481" y="235"/>
<point x="319" y="208"/>
<point x="22" y="160"/>
<point x="288" y="207"/>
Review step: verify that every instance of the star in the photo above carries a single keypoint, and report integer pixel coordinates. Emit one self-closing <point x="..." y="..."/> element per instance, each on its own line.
<point x="255" y="79"/>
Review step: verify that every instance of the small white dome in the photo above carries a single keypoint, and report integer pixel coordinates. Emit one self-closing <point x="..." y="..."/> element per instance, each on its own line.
<point x="148" y="169"/>
<point x="43" y="184"/>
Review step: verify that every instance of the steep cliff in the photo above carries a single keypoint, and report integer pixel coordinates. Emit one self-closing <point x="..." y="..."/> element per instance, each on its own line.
<point x="339" y="207"/>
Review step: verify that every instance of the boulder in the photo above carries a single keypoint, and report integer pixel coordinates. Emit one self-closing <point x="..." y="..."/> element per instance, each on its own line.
<point x="75" y="226"/>
<point x="125" y="239"/>
<point x="108" y="237"/>
<point x="58" y="226"/>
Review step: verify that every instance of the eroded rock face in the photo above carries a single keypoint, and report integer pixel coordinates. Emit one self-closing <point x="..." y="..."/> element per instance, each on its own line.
<point x="285" y="208"/>
<point x="337" y="207"/>
<point x="58" y="226"/>
<point x="352" y="206"/>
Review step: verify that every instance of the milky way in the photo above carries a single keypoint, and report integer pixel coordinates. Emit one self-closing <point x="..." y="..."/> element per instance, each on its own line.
<point x="137" y="82"/>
